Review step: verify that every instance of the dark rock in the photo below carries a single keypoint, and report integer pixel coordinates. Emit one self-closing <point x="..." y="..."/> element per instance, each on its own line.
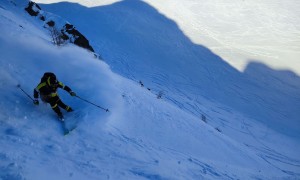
<point x="42" y="18"/>
<point x="64" y="36"/>
<point x="51" y="23"/>
<point x="67" y="33"/>
<point x="79" y="39"/>
<point x="30" y="8"/>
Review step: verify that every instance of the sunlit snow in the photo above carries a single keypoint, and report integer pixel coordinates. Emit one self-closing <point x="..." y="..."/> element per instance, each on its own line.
<point x="196" y="117"/>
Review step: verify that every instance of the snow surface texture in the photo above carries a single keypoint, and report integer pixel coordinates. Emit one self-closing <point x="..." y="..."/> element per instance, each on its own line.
<point x="142" y="137"/>
<point x="141" y="43"/>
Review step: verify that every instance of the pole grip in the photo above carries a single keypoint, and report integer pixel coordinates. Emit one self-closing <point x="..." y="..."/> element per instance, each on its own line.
<point x="19" y="86"/>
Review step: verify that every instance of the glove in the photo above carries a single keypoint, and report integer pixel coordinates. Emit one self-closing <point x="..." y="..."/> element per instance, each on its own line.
<point x="36" y="102"/>
<point x="72" y="93"/>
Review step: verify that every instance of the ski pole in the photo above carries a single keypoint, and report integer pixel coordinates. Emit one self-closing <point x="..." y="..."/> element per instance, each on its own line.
<point x="19" y="86"/>
<point x="92" y="103"/>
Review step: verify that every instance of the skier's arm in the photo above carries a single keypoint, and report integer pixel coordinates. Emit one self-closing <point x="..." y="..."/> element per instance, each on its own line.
<point x="37" y="90"/>
<point x="66" y="88"/>
<point x="36" y="96"/>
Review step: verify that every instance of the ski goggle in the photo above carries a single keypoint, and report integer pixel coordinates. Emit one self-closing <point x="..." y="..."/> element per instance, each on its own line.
<point x="52" y="82"/>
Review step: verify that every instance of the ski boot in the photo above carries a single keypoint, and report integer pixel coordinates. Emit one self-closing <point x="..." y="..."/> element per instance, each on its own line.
<point x="69" y="109"/>
<point x="60" y="117"/>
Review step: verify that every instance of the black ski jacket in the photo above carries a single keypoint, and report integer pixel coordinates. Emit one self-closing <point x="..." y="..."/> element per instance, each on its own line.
<point x="47" y="91"/>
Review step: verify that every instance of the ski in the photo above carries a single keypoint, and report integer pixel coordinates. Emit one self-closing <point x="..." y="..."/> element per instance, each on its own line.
<point x="64" y="128"/>
<point x="67" y="131"/>
<point x="69" y="123"/>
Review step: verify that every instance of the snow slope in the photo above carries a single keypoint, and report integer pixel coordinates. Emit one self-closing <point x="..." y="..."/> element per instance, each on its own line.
<point x="142" y="43"/>
<point x="142" y="137"/>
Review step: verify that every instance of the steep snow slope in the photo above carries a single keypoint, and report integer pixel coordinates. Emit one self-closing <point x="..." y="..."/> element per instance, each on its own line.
<point x="141" y="138"/>
<point x="142" y="43"/>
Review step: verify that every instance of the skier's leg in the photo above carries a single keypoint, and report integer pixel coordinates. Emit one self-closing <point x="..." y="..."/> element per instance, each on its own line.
<point x="54" y="106"/>
<point x="62" y="105"/>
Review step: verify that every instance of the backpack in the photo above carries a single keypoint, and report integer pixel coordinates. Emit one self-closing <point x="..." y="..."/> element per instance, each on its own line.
<point x="47" y="75"/>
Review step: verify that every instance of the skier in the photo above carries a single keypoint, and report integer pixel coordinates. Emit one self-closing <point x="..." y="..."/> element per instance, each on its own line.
<point x="47" y="89"/>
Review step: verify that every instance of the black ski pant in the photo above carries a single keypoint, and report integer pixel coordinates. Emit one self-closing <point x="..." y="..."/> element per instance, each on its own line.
<point x="55" y="103"/>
